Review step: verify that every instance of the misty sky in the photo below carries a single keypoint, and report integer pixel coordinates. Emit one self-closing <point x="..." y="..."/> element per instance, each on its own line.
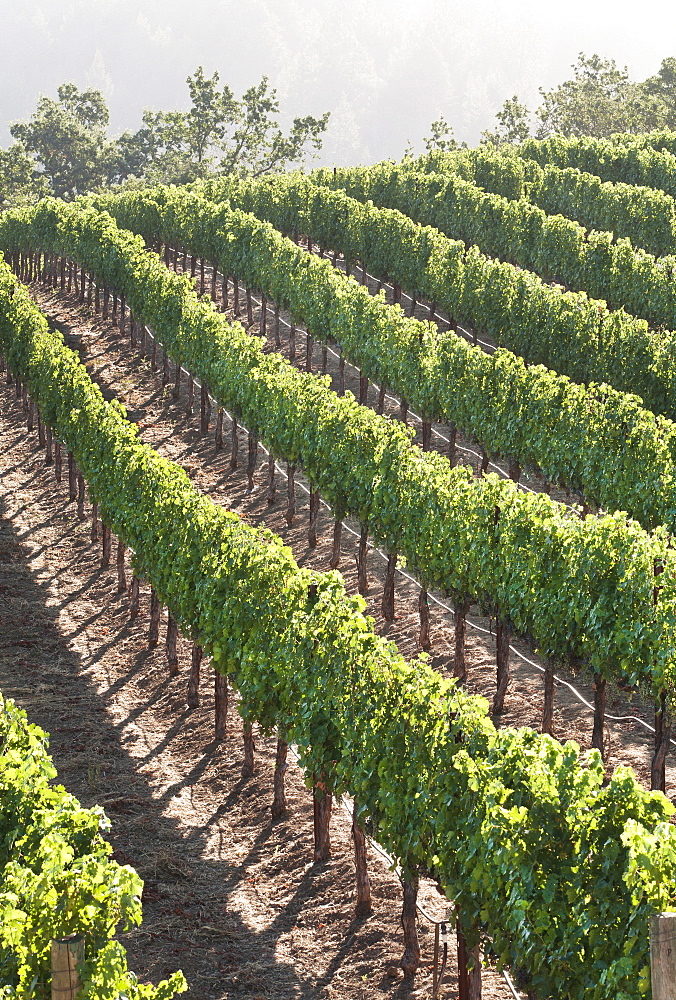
<point x="384" y="68"/>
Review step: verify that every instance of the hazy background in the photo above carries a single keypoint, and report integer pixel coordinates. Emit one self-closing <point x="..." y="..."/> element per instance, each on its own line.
<point x="384" y="68"/>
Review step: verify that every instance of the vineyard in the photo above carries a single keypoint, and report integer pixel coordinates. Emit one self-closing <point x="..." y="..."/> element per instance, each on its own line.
<point x="371" y="474"/>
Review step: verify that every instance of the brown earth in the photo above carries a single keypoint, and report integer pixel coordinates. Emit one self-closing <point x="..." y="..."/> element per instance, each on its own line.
<point x="231" y="897"/>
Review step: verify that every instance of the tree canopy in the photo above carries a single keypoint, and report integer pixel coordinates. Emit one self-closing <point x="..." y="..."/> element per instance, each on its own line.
<point x="67" y="138"/>
<point x="598" y="100"/>
<point x="63" y="148"/>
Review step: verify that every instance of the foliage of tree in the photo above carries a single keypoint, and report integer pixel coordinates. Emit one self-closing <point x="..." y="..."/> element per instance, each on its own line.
<point x="513" y="125"/>
<point x="601" y="99"/>
<point x="219" y="134"/>
<point x="598" y="100"/>
<point x="442" y="137"/>
<point x="19" y="181"/>
<point x="63" y="148"/>
<point x="67" y="138"/>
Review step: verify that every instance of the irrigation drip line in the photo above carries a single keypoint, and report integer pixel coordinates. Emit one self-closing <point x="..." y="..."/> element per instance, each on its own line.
<point x="346" y="802"/>
<point x="445" y="607"/>
<point x="508" y="979"/>
<point x="347" y="805"/>
<point x="482" y="343"/>
<point x="435" y="600"/>
<point x="469" y="334"/>
<point x="412" y="414"/>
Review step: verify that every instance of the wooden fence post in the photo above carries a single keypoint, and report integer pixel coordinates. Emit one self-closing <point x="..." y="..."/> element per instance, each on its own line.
<point x="663" y="956"/>
<point x="66" y="954"/>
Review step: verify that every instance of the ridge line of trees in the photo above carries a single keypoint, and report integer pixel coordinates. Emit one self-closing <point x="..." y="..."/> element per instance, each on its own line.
<point x="600" y="99"/>
<point x="63" y="149"/>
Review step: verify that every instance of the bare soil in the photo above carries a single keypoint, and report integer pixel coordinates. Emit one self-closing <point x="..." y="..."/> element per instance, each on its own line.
<point x="231" y="897"/>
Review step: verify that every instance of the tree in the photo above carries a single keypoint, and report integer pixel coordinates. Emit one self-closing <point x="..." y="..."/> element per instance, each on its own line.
<point x="68" y="139"/>
<point x="663" y="88"/>
<point x="212" y="111"/>
<point x="159" y="151"/>
<point x="442" y="138"/>
<point x="18" y="179"/>
<point x="592" y="103"/>
<point x="256" y="144"/>
<point x="513" y="124"/>
<point x="219" y="133"/>
<point x="600" y="99"/>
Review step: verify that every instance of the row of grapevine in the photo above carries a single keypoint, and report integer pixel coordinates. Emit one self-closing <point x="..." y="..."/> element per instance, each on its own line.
<point x="578" y="587"/>
<point x="558" y="249"/>
<point x="643" y="215"/>
<point x="662" y="140"/>
<point x="57" y="877"/>
<point x="489" y="810"/>
<point x="596" y="440"/>
<point x="627" y="159"/>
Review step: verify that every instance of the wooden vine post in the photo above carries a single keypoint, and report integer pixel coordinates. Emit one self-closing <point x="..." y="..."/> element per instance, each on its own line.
<point x="469" y="980"/>
<point x="502" y="665"/>
<point x="450" y="450"/>
<point x="72" y="477"/>
<point x="424" y="613"/>
<point x="80" y="495"/>
<point x="221" y="705"/>
<point x="279" y="797"/>
<point x="264" y="317"/>
<point x="171" y="645"/>
<point x="599" y="687"/>
<point x="662" y="743"/>
<point x="251" y="461"/>
<point x="426" y="435"/>
<point x="548" y="706"/>
<point x="278" y="341"/>
<point x="205" y="409"/>
<point x="363" y="906"/>
<point x="387" y="606"/>
<point x="249" y="747"/>
<point x="662" y="718"/>
<point x="67" y="954"/>
<point x="362" y="574"/>
<point x="337" y="537"/>
<point x="411" y="958"/>
<point x="290" y="494"/>
<point x="154" y="624"/>
<point x="460" y="609"/>
<point x="194" y="680"/>
<point x="381" y="400"/>
<point x="106" y="545"/>
<point x="322" y="801"/>
<point x="218" y="436"/>
<point x="234" y="443"/>
<point x="663" y="956"/>
<point x="272" y="486"/>
<point x="121" y="574"/>
<point x="314" y="514"/>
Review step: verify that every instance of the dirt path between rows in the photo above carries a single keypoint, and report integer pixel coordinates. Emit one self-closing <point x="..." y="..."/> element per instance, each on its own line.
<point x="231" y="897"/>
